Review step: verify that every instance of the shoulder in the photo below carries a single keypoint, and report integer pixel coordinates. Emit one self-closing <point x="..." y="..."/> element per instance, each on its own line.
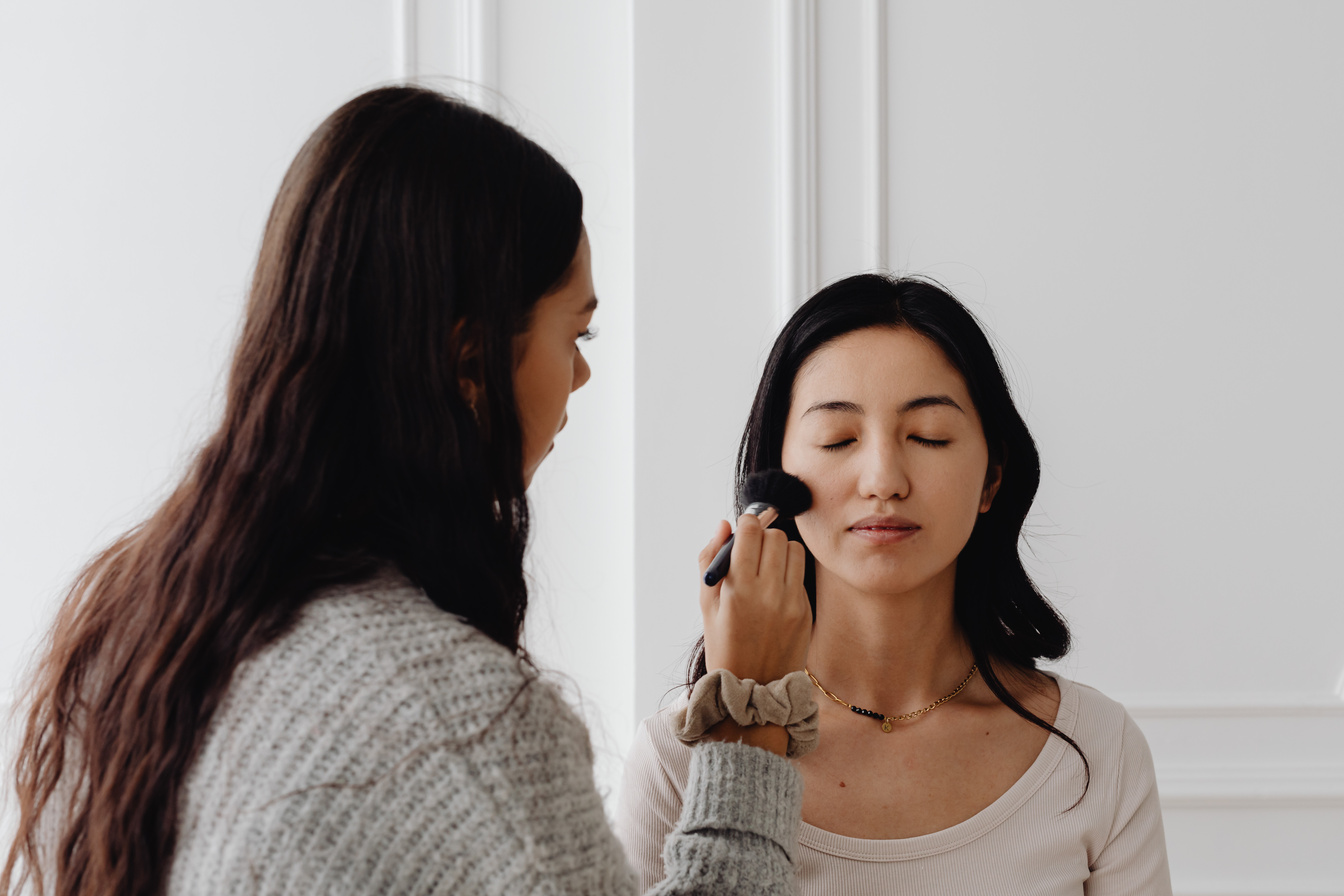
<point x="390" y="622"/>
<point x="1131" y="851"/>
<point x="1112" y="741"/>
<point x="378" y="664"/>
<point x="1093" y="717"/>
<point x="385" y="634"/>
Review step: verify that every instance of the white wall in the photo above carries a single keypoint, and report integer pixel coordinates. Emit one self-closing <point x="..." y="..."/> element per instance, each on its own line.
<point x="582" y="618"/>
<point x="1141" y="201"/>
<point x="704" y="280"/>
<point x="143" y="143"/>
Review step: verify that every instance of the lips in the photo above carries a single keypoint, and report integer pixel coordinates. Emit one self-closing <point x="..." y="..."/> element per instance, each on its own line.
<point x="884" y="523"/>
<point x="883" y="530"/>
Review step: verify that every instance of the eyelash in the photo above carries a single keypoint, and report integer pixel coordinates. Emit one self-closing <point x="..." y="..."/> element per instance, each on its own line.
<point x="588" y="335"/>
<point x="930" y="443"/>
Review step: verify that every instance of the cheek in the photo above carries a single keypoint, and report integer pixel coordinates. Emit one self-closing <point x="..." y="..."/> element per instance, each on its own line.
<point x="957" y="488"/>
<point x="541" y="386"/>
<point x="830" y="497"/>
<point x="556" y="391"/>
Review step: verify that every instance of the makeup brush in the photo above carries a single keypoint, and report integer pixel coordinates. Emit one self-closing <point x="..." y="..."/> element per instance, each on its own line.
<point x="770" y="495"/>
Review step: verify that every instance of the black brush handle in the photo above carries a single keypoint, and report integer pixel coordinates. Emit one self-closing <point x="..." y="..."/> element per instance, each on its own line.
<point x="719" y="568"/>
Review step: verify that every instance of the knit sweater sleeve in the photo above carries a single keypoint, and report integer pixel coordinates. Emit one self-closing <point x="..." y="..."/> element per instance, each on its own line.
<point x="739" y="826"/>
<point x="667" y="823"/>
<point x="544" y="822"/>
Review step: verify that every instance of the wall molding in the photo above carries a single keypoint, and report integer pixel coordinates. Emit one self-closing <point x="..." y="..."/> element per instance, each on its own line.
<point x="876" y="222"/>
<point x="405" y="43"/>
<point x="1258" y="786"/>
<point x="795" y="153"/>
<point x="1278" y="781"/>
<point x="1219" y="705"/>
<point x="457" y="40"/>
<point x="477" y="24"/>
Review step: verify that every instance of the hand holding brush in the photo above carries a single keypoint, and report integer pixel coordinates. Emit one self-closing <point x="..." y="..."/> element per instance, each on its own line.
<point x="770" y="495"/>
<point x="758" y="622"/>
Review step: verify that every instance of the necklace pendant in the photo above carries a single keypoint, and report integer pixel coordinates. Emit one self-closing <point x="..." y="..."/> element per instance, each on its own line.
<point x="887" y="720"/>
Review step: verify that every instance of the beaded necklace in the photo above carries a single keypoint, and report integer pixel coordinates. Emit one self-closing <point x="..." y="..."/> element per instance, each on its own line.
<point x="887" y="720"/>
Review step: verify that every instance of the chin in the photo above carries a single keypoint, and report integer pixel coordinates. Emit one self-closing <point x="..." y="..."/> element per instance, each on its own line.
<point x="884" y="578"/>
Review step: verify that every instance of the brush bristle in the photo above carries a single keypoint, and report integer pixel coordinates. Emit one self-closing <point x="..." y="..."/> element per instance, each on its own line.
<point x="783" y="491"/>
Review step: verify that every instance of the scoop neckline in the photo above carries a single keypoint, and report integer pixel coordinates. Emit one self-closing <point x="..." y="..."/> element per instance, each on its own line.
<point x="977" y="825"/>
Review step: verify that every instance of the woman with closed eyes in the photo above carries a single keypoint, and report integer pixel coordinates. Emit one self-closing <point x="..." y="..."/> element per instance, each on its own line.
<point x="948" y="763"/>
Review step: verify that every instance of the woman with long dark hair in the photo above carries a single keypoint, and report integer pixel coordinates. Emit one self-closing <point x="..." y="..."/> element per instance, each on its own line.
<point x="302" y="673"/>
<point x="948" y="762"/>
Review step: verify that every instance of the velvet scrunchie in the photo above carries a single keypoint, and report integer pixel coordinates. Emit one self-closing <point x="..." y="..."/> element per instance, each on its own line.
<point x="720" y="695"/>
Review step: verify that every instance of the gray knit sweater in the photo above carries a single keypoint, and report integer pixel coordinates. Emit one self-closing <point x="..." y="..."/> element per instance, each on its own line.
<point x="384" y="746"/>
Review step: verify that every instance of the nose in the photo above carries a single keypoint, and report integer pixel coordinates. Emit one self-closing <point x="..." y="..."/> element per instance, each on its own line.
<point x="883" y="474"/>
<point x="582" y="372"/>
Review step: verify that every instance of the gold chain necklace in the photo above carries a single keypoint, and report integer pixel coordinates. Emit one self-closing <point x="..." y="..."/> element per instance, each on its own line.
<point x="887" y="720"/>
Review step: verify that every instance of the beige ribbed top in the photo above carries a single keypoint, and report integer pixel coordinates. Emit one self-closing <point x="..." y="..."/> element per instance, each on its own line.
<point x="1026" y="842"/>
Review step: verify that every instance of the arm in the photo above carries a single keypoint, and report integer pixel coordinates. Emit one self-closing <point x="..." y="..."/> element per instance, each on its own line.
<point x="739" y="826"/>
<point x="658" y="770"/>
<point x="1134" y="859"/>
<point x="741" y="798"/>
<point x="537" y="824"/>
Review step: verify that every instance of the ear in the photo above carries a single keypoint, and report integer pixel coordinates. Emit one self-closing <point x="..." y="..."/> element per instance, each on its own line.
<point x="464" y="347"/>
<point x="993" y="479"/>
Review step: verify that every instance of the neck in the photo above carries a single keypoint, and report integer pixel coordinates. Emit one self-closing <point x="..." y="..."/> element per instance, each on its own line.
<point x="892" y="653"/>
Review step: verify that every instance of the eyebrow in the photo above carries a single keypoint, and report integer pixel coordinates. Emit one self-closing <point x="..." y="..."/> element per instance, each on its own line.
<point x="849" y="407"/>
<point x="590" y="306"/>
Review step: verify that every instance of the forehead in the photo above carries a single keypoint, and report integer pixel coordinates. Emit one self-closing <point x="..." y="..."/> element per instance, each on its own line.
<point x="877" y="367"/>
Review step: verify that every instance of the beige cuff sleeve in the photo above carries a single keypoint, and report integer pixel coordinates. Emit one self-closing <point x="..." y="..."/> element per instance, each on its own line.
<point x="721" y="695"/>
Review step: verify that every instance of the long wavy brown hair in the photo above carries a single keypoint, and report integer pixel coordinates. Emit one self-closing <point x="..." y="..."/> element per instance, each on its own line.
<point x="407" y="246"/>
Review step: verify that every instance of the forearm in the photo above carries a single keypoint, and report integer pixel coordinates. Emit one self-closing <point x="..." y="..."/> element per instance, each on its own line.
<point x="739" y="826"/>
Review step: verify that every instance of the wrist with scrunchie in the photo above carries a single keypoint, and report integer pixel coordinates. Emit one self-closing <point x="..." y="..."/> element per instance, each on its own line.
<point x="720" y="695"/>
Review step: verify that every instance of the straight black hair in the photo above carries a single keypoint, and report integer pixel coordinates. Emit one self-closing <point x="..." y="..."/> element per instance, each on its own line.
<point x="1005" y="617"/>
